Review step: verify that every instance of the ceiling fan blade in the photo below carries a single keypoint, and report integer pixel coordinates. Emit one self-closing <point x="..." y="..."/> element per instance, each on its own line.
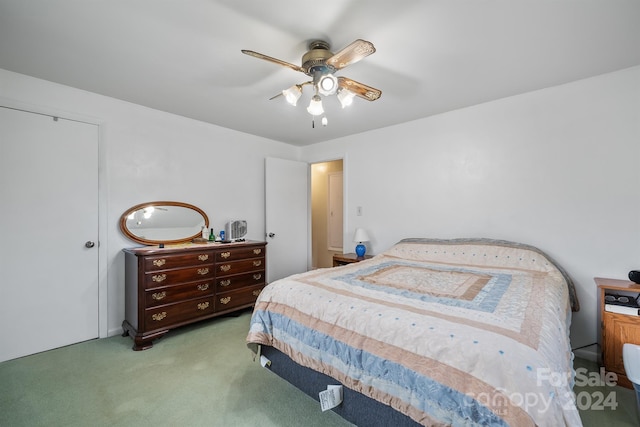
<point x="351" y="54"/>
<point x="363" y="91"/>
<point x="270" y="59"/>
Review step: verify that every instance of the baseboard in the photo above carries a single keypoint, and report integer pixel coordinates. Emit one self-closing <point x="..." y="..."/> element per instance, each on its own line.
<point x="588" y="353"/>
<point x="114" y="332"/>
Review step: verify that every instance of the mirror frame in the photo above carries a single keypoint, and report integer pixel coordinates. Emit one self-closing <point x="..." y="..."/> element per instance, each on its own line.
<point x="130" y="235"/>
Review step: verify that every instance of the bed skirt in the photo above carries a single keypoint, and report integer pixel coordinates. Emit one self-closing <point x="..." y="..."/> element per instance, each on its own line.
<point x="355" y="407"/>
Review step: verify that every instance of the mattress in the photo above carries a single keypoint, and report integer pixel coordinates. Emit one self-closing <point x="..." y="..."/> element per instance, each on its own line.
<point x="447" y="332"/>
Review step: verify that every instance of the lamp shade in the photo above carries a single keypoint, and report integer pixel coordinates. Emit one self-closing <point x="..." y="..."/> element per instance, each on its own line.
<point x="360" y="235"/>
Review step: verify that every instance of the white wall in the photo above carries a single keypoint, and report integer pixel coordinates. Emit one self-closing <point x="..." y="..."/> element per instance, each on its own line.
<point x="555" y="168"/>
<point x="149" y="155"/>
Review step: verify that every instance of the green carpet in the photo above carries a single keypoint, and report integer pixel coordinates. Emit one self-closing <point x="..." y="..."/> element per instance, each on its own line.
<point x="199" y="375"/>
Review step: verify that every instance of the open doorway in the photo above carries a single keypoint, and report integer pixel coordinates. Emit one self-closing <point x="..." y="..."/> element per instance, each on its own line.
<point x="326" y="212"/>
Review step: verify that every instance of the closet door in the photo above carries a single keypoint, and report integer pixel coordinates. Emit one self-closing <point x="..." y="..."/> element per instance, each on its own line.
<point x="49" y="231"/>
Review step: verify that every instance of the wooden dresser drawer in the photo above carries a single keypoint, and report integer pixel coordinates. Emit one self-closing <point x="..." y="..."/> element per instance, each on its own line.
<point x="167" y="262"/>
<point x="244" y="296"/>
<point x="229" y="283"/>
<point x="236" y="267"/>
<point x="165" y="315"/>
<point x="170" y="294"/>
<point x="160" y="278"/>
<point x="239" y="253"/>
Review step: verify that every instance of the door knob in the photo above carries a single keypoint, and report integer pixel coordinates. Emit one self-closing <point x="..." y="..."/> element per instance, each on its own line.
<point x="272" y="235"/>
<point x="89" y="244"/>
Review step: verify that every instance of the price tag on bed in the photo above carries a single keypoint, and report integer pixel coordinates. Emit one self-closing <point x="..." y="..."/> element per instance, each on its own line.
<point x="331" y="397"/>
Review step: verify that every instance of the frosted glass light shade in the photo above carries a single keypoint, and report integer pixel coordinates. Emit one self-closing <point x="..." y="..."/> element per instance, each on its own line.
<point x="328" y="85"/>
<point x="345" y="97"/>
<point x="315" y="106"/>
<point x="292" y="94"/>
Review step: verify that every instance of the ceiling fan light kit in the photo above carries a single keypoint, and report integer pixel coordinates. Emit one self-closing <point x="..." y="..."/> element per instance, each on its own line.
<point x="321" y="64"/>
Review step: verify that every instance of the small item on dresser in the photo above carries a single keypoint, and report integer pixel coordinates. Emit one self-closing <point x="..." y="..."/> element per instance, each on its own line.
<point x="634" y="276"/>
<point x="212" y="236"/>
<point x="205" y="233"/>
<point x="222" y="234"/>
<point x="623" y="300"/>
<point x="199" y="240"/>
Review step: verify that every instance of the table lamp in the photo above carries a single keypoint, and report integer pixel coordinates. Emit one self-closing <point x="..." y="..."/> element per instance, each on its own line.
<point x="360" y="236"/>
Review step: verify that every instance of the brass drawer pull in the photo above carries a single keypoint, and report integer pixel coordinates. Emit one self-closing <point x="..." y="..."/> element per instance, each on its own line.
<point x="257" y="263"/>
<point x="256" y="293"/>
<point x="159" y="316"/>
<point x="203" y="257"/>
<point x="203" y="271"/>
<point x="203" y="305"/>
<point x="225" y="254"/>
<point x="225" y="300"/>
<point x="159" y="278"/>
<point x="203" y="287"/>
<point x="257" y="276"/>
<point x="159" y="262"/>
<point x="225" y="267"/>
<point x="257" y="251"/>
<point x="225" y="282"/>
<point x="159" y="295"/>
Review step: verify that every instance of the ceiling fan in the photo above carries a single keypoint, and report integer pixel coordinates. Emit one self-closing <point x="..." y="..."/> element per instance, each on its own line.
<point x="321" y="64"/>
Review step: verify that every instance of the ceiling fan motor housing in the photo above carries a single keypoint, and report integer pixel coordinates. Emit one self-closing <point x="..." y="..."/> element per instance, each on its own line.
<point x="314" y="60"/>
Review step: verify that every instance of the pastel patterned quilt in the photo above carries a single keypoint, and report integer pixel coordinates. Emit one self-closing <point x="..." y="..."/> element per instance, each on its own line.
<point x="455" y="332"/>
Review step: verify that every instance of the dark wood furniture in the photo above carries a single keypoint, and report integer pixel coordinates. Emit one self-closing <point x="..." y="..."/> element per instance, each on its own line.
<point x="617" y="329"/>
<point x="344" y="259"/>
<point x="173" y="286"/>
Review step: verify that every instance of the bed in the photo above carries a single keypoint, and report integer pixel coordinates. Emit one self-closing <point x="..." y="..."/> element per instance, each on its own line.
<point x="430" y="332"/>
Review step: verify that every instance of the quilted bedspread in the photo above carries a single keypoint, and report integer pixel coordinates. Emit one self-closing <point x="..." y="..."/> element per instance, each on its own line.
<point x="455" y="332"/>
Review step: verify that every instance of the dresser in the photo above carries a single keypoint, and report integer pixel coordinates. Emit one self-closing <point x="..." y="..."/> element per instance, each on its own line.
<point x="180" y="284"/>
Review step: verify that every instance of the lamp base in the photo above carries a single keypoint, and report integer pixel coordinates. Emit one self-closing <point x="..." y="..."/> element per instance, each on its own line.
<point x="360" y="250"/>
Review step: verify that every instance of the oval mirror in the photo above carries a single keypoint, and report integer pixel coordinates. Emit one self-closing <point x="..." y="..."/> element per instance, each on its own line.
<point x="153" y="223"/>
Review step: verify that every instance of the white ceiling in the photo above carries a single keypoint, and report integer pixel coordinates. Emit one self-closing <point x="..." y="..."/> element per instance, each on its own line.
<point x="183" y="56"/>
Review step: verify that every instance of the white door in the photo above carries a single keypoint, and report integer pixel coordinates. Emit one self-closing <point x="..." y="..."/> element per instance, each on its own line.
<point x="48" y="223"/>
<point x="286" y="217"/>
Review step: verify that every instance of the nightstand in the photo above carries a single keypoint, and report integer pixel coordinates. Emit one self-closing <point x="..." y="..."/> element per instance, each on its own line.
<point x="344" y="259"/>
<point x="617" y="329"/>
